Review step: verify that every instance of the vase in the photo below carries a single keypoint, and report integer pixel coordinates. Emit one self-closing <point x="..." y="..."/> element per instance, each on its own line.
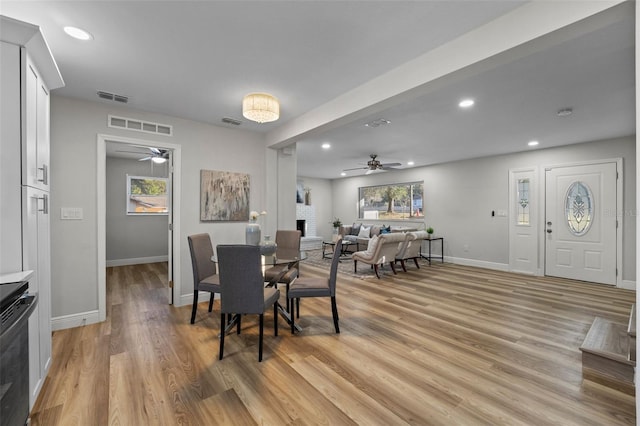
<point x="252" y="234"/>
<point x="268" y="247"/>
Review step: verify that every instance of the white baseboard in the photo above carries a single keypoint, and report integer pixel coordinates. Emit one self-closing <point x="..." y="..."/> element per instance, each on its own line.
<point x="628" y="284"/>
<point x="75" y="320"/>
<point x="187" y="299"/>
<point x="479" y="263"/>
<point x="136" y="261"/>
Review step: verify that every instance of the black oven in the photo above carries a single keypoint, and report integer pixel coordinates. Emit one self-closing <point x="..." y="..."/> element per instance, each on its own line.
<point x="16" y="304"/>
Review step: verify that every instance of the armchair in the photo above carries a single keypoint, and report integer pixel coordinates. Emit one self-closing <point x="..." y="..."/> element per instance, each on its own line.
<point x="382" y="248"/>
<point x="410" y="249"/>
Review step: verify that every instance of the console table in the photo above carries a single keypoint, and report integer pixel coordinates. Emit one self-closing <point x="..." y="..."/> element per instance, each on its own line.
<point x="429" y="256"/>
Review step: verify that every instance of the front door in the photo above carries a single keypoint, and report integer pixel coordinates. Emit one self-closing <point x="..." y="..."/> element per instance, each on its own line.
<point x="580" y="222"/>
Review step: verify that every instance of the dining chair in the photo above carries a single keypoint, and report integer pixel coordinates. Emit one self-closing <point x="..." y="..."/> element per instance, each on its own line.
<point x="317" y="287"/>
<point x="242" y="289"/>
<point x="204" y="270"/>
<point x="287" y="247"/>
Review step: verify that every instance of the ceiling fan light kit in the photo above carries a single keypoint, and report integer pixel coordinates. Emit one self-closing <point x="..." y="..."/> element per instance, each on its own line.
<point x="375" y="164"/>
<point x="261" y="107"/>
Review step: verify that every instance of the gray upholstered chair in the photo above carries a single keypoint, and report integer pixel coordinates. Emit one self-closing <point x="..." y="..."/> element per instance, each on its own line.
<point x="317" y="287"/>
<point x="242" y="289"/>
<point x="204" y="270"/>
<point x="410" y="249"/>
<point x="381" y="249"/>
<point x="288" y="247"/>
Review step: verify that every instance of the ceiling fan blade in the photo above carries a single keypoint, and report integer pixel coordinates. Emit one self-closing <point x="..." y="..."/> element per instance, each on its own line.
<point x="156" y="151"/>
<point x="134" y="152"/>
<point x="391" y="165"/>
<point x="356" y="168"/>
<point x="145" y="158"/>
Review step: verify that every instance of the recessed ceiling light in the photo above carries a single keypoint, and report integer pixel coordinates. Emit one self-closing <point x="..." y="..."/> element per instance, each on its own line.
<point x="565" y="112"/>
<point x="78" y="33"/>
<point x="378" y="122"/>
<point x="326" y="145"/>
<point x="343" y="174"/>
<point x="410" y="163"/>
<point x="466" y="103"/>
<point x="533" y="143"/>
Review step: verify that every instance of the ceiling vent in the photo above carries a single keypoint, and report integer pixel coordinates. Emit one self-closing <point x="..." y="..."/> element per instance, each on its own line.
<point x="139" y="125"/>
<point x="233" y="121"/>
<point x="113" y="97"/>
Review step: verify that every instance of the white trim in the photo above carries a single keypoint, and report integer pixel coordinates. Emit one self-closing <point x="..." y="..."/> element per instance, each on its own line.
<point x="187" y="299"/>
<point x="478" y="263"/>
<point x="137" y="261"/>
<point x="102" y="139"/>
<point x="75" y="320"/>
<point x="628" y="285"/>
<point x="619" y="206"/>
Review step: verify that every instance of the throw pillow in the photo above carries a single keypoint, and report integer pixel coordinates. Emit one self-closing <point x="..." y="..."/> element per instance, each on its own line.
<point x="355" y="229"/>
<point x="364" y="232"/>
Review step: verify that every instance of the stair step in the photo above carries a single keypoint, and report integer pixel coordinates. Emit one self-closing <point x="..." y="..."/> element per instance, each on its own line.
<point x="609" y="340"/>
<point x="605" y="356"/>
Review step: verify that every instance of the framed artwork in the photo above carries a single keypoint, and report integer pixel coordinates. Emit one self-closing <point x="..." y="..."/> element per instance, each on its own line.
<point x="224" y="196"/>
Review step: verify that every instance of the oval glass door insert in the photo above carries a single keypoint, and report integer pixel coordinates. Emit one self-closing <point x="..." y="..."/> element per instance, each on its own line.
<point x="579" y="208"/>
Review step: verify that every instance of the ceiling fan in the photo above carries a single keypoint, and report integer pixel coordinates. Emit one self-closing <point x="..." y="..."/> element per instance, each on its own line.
<point x="156" y="155"/>
<point x="375" y="164"/>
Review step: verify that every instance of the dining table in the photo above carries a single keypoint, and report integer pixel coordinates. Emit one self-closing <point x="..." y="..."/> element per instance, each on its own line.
<point x="286" y="259"/>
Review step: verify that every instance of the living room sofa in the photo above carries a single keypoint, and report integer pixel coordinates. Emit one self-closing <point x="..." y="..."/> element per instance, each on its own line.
<point x="354" y="233"/>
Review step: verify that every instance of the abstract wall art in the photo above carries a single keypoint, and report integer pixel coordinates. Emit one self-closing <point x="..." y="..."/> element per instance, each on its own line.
<point x="224" y="196"/>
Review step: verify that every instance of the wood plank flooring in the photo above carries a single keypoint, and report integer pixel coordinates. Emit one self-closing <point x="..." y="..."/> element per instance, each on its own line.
<point x="442" y="345"/>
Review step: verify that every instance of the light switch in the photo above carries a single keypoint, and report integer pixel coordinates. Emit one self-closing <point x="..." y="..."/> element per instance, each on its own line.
<point x="71" y="213"/>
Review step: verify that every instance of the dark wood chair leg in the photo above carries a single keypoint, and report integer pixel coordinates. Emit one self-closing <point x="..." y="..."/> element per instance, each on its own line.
<point x="195" y="306"/>
<point x="334" y="310"/>
<point x="298" y="307"/>
<point x="355" y="266"/>
<point x="239" y="321"/>
<point x="415" y="260"/>
<point x="375" y="268"/>
<point x="288" y="302"/>
<point x="260" y="339"/>
<point x="275" y="318"/>
<point x="221" y="336"/>
<point x="293" y="327"/>
<point x="404" y="267"/>
<point x="211" y="301"/>
<point x="393" y="268"/>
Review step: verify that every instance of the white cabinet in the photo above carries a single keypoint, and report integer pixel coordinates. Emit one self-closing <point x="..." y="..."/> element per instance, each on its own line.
<point x="35" y="146"/>
<point x="28" y="71"/>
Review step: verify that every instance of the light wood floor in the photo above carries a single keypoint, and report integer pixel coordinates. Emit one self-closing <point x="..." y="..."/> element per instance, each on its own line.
<point x="444" y="345"/>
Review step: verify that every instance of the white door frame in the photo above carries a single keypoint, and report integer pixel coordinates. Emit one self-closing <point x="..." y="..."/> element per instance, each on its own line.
<point x="102" y="139"/>
<point x="535" y="200"/>
<point x="619" y="208"/>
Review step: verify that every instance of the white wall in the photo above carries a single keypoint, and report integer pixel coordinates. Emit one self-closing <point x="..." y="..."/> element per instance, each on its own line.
<point x="132" y="237"/>
<point x="321" y="200"/>
<point x="459" y="198"/>
<point x="74" y="126"/>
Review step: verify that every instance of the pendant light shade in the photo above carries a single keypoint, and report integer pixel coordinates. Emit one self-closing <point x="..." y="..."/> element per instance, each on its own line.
<point x="260" y="107"/>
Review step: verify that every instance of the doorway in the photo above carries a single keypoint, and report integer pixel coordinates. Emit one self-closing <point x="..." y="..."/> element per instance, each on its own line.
<point x="173" y="231"/>
<point x="581" y="226"/>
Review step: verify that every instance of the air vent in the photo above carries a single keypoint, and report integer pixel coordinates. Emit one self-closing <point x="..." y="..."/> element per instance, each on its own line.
<point x="113" y="97"/>
<point x="231" y="121"/>
<point x="139" y="125"/>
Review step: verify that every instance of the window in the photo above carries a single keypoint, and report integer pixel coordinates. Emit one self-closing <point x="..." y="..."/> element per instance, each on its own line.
<point x="522" y="198"/>
<point x="147" y="195"/>
<point x="579" y="208"/>
<point x="400" y="201"/>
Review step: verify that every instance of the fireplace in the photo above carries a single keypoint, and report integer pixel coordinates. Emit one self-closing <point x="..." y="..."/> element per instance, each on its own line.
<point x="301" y="225"/>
